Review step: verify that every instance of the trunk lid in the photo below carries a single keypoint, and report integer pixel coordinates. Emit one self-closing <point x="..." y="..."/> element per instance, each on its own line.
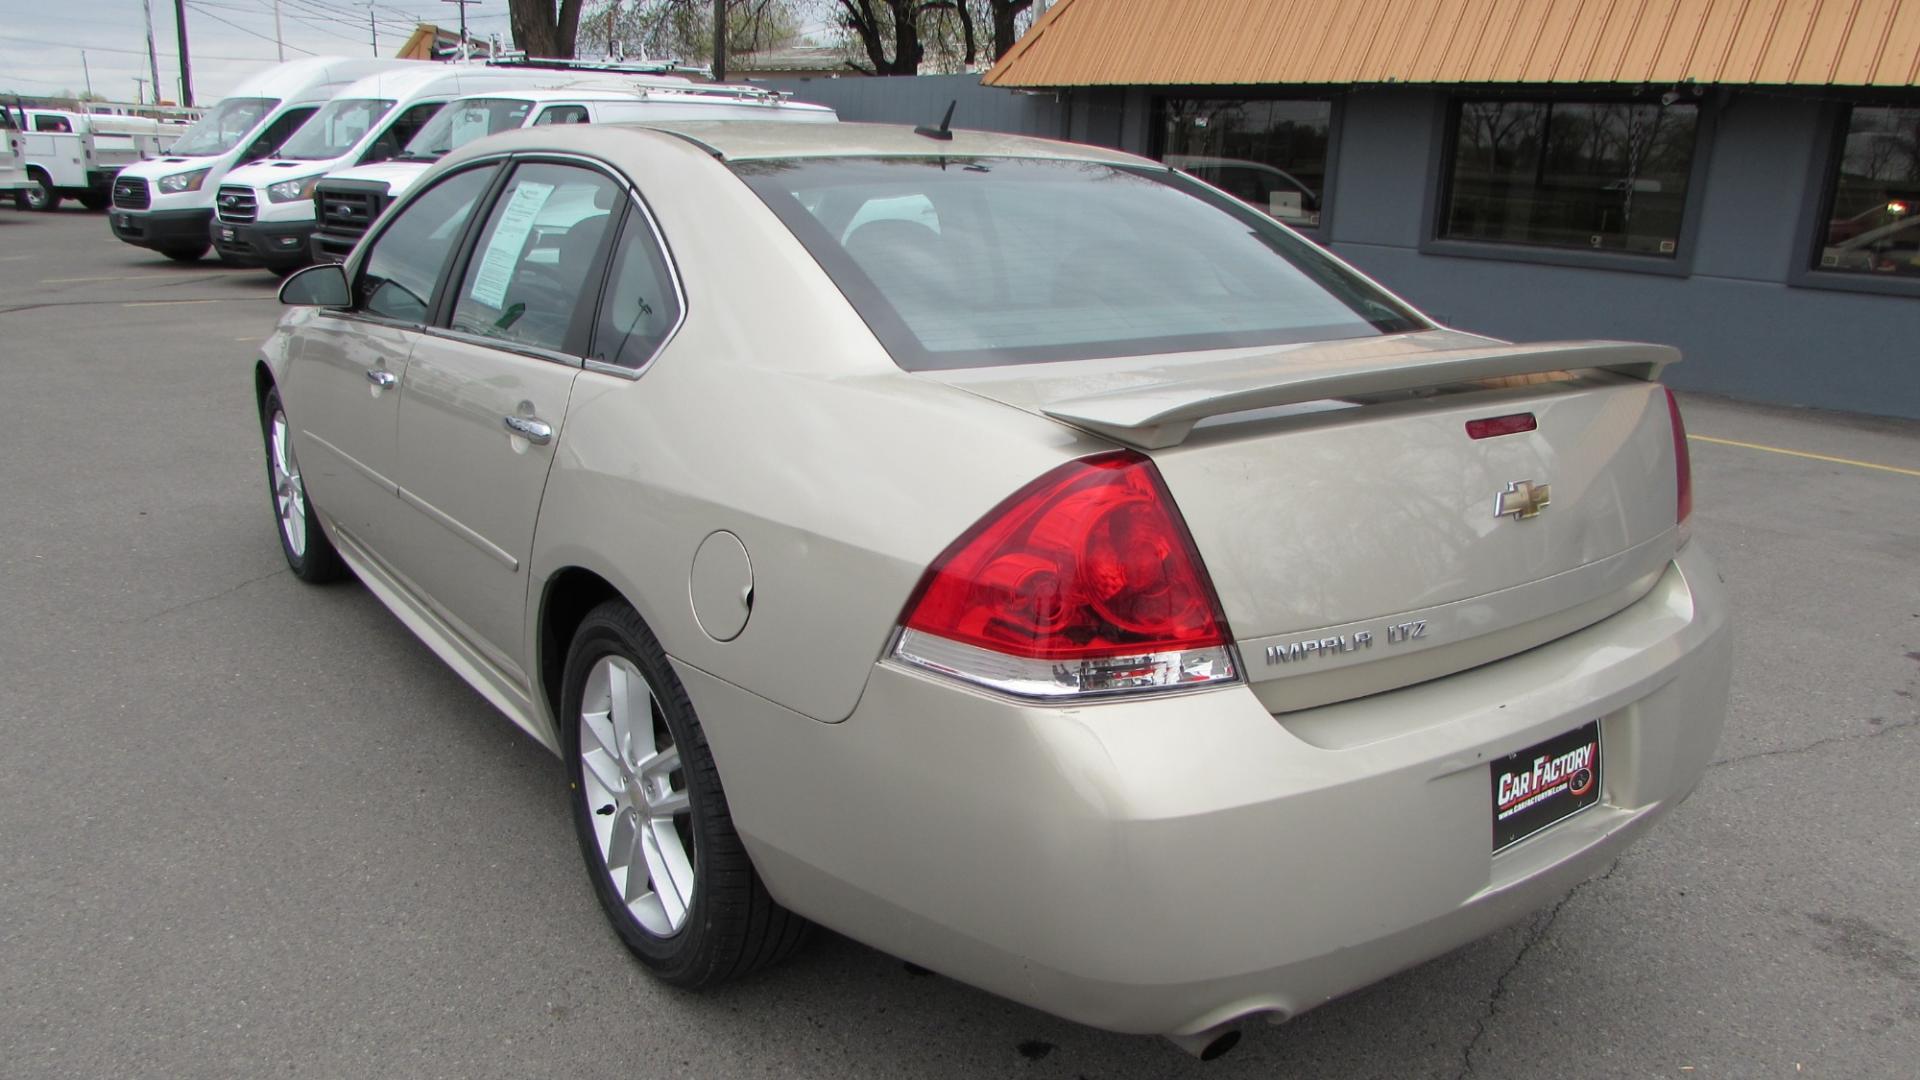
<point x="1351" y="525"/>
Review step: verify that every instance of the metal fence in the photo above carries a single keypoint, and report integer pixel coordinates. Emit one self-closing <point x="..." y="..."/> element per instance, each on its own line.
<point x="923" y="99"/>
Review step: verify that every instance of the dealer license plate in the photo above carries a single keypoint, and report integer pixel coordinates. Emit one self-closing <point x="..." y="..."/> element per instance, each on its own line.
<point x="1545" y="784"/>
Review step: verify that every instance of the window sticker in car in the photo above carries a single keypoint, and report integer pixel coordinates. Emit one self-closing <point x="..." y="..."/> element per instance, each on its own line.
<point x="509" y="236"/>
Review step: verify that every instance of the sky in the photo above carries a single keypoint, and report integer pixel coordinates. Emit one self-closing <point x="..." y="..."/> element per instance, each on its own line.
<point x="227" y="40"/>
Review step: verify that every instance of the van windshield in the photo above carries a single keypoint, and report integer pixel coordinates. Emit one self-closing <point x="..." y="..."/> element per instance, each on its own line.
<point x="968" y="262"/>
<point x="462" y="122"/>
<point x="335" y="129"/>
<point x="223" y="127"/>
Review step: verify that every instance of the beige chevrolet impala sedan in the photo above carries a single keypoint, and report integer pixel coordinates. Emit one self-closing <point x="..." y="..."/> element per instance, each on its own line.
<point x="1017" y="556"/>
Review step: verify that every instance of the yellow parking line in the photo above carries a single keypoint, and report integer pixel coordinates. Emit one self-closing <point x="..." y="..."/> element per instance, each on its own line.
<point x="1805" y="454"/>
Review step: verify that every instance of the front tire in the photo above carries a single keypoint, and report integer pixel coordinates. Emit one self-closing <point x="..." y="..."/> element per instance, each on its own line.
<point x="39" y="195"/>
<point x="651" y="817"/>
<point x="310" y="555"/>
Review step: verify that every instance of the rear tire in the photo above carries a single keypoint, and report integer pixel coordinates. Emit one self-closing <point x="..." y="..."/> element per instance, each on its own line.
<point x="310" y="554"/>
<point x="661" y="851"/>
<point x="185" y="254"/>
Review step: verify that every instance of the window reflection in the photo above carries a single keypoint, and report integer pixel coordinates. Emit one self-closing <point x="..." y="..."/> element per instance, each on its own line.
<point x="1610" y="176"/>
<point x="1874" y="226"/>
<point x="1272" y="154"/>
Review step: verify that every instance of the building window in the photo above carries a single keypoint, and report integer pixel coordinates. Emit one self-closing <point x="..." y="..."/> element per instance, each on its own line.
<point x="1874" y="224"/>
<point x="1272" y="154"/>
<point x="1605" y="176"/>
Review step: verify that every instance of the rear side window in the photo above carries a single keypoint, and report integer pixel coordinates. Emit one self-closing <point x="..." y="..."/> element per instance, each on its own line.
<point x="641" y="306"/>
<point x="957" y="262"/>
<point x="563" y="114"/>
<point x="530" y="269"/>
<point x="397" y="279"/>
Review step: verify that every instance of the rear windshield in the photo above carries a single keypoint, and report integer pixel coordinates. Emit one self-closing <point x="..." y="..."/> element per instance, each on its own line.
<point x="969" y="262"/>
<point x="222" y="128"/>
<point x="335" y="129"/>
<point x="464" y="121"/>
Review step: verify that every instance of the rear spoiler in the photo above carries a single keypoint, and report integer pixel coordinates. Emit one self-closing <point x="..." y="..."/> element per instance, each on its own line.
<point x="1157" y="416"/>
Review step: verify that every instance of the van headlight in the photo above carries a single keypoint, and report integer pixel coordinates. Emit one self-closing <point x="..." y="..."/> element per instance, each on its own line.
<point x="182" y="181"/>
<point x="293" y="190"/>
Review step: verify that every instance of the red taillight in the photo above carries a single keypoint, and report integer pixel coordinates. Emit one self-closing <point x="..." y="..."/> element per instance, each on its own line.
<point x="1084" y="580"/>
<point x="1683" y="464"/>
<point x="1494" y="426"/>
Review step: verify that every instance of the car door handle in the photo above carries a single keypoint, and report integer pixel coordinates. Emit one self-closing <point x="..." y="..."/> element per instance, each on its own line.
<point x="382" y="379"/>
<point x="530" y="429"/>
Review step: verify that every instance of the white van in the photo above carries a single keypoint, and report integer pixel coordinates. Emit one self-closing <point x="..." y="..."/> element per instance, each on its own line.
<point x="350" y="199"/>
<point x="73" y="155"/>
<point x="264" y="211"/>
<point x="166" y="204"/>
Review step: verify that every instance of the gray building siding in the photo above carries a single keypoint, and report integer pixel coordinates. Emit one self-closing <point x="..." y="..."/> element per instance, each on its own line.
<point x="1736" y="304"/>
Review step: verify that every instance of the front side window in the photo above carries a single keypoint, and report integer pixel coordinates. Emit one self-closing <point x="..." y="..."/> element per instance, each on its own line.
<point x="400" y="132"/>
<point x="464" y="121"/>
<point x="397" y="279"/>
<point x="964" y="262"/>
<point x="529" y="272"/>
<point x="222" y="128"/>
<point x="1270" y="154"/>
<point x="1874" y="224"/>
<point x="335" y="130"/>
<point x="1606" y="176"/>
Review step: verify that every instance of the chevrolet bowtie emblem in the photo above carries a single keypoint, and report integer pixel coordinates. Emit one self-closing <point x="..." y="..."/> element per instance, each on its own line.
<point x="1523" y="499"/>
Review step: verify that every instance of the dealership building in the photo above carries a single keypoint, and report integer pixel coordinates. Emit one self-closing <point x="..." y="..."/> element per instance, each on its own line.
<point x="1740" y="178"/>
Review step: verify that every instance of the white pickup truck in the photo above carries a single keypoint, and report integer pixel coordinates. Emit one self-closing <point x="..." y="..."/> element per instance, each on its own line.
<point x="13" y="163"/>
<point x="72" y="155"/>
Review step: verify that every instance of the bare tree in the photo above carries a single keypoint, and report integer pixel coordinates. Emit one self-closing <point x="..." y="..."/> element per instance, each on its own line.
<point x="683" y="29"/>
<point x="544" y="27"/>
<point x="1006" y="23"/>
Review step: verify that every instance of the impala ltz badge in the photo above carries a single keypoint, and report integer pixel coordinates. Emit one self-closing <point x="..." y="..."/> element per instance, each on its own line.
<point x="1523" y="499"/>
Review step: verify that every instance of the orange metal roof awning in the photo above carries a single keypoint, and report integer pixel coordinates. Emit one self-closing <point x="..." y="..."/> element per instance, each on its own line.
<point x="1249" y="42"/>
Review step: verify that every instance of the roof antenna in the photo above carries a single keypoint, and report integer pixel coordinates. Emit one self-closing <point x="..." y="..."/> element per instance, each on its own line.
<point x="945" y="130"/>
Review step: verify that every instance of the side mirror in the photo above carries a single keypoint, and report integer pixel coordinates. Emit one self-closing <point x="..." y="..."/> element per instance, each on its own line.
<point x="318" y="286"/>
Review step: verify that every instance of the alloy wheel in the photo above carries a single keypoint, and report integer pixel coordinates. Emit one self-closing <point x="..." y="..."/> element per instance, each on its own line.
<point x="289" y="495"/>
<point x="636" y="795"/>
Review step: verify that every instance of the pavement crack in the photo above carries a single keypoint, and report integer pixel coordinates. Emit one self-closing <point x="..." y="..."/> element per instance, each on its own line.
<point x="1817" y="744"/>
<point x="1542" y="925"/>
<point x="229" y="590"/>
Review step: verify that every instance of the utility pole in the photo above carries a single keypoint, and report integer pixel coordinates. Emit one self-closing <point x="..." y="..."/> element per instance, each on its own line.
<point x="373" y="28"/>
<point x="86" y="72"/>
<point x="139" y="89"/>
<point x="719" y="40"/>
<point x="279" y="39"/>
<point x="463" y="19"/>
<point x="153" y="58"/>
<point x="186" y="67"/>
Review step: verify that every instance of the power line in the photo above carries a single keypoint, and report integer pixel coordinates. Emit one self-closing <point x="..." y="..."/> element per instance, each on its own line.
<point x="263" y="37"/>
<point x="129" y="52"/>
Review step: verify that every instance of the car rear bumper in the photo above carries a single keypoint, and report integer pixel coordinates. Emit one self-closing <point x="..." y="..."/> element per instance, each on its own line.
<point x="161" y="229"/>
<point x="1168" y="865"/>
<point x="281" y="245"/>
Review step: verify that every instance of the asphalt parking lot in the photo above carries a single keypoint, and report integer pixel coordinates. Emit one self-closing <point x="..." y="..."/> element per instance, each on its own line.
<point x="252" y="828"/>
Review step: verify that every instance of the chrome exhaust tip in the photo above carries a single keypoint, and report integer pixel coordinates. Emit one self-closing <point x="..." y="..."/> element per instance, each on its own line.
<point x="1211" y="1044"/>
